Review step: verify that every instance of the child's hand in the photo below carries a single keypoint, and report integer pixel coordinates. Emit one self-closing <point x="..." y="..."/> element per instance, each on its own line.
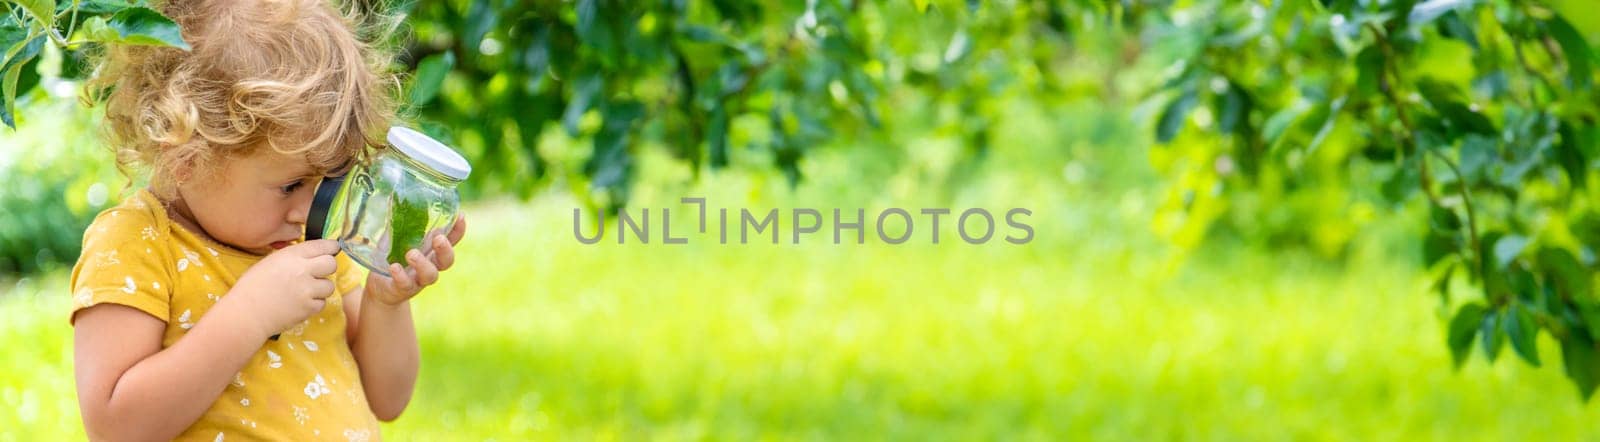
<point x="287" y="286"/>
<point x="424" y="269"/>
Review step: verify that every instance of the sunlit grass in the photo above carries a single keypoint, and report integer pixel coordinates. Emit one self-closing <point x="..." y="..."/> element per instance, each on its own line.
<point x="1090" y="331"/>
<point x="538" y="336"/>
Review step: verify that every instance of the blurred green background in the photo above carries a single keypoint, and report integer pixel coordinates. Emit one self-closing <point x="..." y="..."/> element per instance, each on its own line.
<point x="1141" y="310"/>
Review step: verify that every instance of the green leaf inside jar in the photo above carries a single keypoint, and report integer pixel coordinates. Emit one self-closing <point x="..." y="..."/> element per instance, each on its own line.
<point x="407" y="227"/>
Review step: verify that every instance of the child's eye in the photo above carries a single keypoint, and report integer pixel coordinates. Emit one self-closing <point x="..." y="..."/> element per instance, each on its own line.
<point x="291" y="187"/>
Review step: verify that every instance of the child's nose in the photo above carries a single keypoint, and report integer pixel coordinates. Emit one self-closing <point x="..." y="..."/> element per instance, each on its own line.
<point x="302" y="206"/>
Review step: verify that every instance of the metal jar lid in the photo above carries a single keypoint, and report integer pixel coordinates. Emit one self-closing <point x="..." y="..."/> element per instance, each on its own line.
<point x="429" y="152"/>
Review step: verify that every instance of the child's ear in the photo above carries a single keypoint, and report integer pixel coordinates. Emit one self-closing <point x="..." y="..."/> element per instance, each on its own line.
<point x="182" y="172"/>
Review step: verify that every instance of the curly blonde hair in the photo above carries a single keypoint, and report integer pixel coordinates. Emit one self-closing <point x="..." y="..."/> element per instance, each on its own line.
<point x="301" y="77"/>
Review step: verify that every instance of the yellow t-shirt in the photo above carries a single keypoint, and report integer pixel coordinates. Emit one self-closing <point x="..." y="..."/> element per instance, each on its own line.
<point x="303" y="386"/>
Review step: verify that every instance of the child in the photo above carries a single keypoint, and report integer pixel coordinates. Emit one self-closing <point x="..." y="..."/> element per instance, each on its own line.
<point x="180" y="286"/>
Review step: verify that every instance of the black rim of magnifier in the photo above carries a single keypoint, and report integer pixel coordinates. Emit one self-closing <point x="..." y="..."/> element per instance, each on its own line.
<point x="321" y="203"/>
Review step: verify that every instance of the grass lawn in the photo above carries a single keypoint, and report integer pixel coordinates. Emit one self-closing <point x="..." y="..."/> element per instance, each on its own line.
<point x="1075" y="335"/>
<point x="1089" y="332"/>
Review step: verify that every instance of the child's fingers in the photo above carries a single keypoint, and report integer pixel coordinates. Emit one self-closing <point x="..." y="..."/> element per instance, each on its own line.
<point x="402" y="281"/>
<point x="458" y="230"/>
<point x="444" y="255"/>
<point x="426" y="274"/>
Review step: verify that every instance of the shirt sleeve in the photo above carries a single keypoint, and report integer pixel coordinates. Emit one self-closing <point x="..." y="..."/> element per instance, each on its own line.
<point x="123" y="262"/>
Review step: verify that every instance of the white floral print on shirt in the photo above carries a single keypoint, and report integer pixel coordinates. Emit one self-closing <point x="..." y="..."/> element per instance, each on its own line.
<point x="84" y="297"/>
<point x="106" y="259"/>
<point x="317" y="387"/>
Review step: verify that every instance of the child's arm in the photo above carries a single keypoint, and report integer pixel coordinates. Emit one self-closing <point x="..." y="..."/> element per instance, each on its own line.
<point x="384" y="342"/>
<point x="381" y="334"/>
<point x="131" y="388"/>
<point x="128" y="387"/>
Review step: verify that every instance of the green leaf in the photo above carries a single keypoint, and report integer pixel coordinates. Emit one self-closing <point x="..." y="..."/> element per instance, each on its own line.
<point x="1234" y="109"/>
<point x="17" y="59"/>
<point x="1437" y="246"/>
<point x="584" y="94"/>
<point x="1508" y="247"/>
<point x="593" y="28"/>
<point x="1497" y="285"/>
<point x="431" y="72"/>
<point x="1489" y="334"/>
<point x="8" y="82"/>
<point x="1463" y="327"/>
<point x="1452" y="25"/>
<point x="1531" y="135"/>
<point x="42" y="10"/>
<point x="702" y="34"/>
<point x="136" y="26"/>
<point x="1403" y="13"/>
<point x="93" y="7"/>
<point x="95" y="29"/>
<point x="1570" y="275"/>
<point x="29" y="76"/>
<point x="480" y="19"/>
<point x="20" y="52"/>
<point x="729" y="79"/>
<point x="1448" y="101"/>
<point x="1443" y="219"/>
<point x="1173" y="116"/>
<point x="11" y="32"/>
<point x="588" y="14"/>
<point x="1570" y="153"/>
<point x="1523" y="330"/>
<point x="1523" y="283"/>
<point x="717" y="137"/>
<point x="1576" y="50"/>
<point x="1327" y="123"/>
<point x="862" y="92"/>
<point x="1590" y="315"/>
<point x="532" y="113"/>
<point x="1369" y="70"/>
<point x="1558" y="310"/>
<point x="536" y="55"/>
<point x="1442" y="285"/>
<point x="1582" y="363"/>
<point x="610" y="166"/>
<point x="786" y="151"/>
<point x="407" y="226"/>
<point x="1280" y="121"/>
<point x="1402" y="183"/>
<point x="1478" y="152"/>
<point x="960" y="45"/>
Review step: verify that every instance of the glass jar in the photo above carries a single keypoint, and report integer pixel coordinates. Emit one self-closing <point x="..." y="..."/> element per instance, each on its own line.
<point x="396" y="202"/>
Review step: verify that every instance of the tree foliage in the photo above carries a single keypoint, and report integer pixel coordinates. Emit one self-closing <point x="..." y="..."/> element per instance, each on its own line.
<point x="683" y="75"/>
<point x="1484" y="110"/>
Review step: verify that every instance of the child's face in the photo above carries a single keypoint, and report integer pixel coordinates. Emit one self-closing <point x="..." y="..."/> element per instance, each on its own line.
<point x="256" y="203"/>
